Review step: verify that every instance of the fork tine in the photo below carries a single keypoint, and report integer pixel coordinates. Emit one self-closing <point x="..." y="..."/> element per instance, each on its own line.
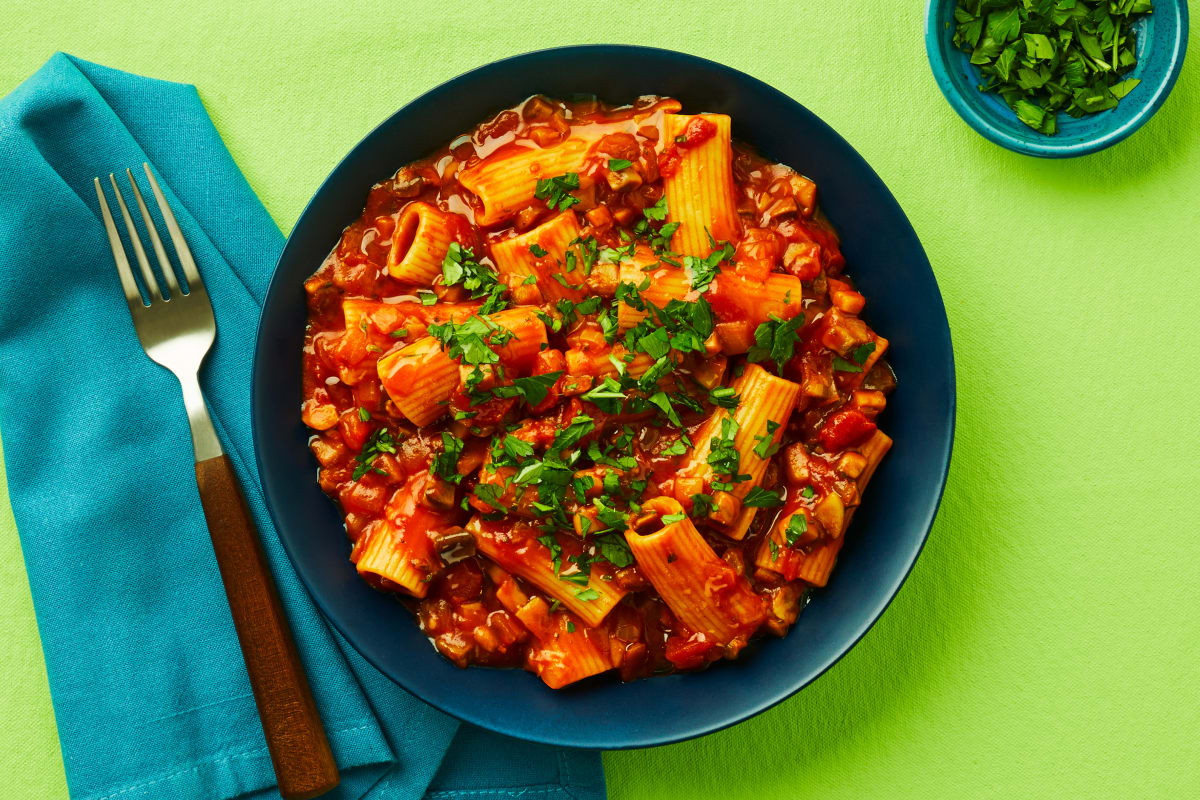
<point x="181" y="247"/>
<point x="147" y="276"/>
<point x="155" y="241"/>
<point x="132" y="295"/>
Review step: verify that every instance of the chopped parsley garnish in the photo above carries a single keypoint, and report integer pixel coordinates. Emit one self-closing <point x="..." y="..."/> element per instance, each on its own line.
<point x="759" y="497"/>
<point x="1046" y="56"/>
<point x="807" y="492"/>
<point x="702" y="271"/>
<point x="796" y="527"/>
<point x="399" y="333"/>
<point x="724" y="397"/>
<point x="380" y="441"/>
<point x="776" y="340"/>
<point x="533" y="388"/>
<point x="489" y="494"/>
<point x="618" y="164"/>
<point x="677" y="448"/>
<point x="363" y="414"/>
<point x="671" y="519"/>
<point x="570" y="626"/>
<point x="555" y="549"/>
<point x="472" y="340"/>
<point x="556" y="191"/>
<point x="723" y="456"/>
<point x="427" y="297"/>
<point x="537" y="250"/>
<point x="615" y="550"/>
<point x="587" y="595"/>
<point x="859" y="357"/>
<point x="445" y="463"/>
<point x="460" y="267"/>
<point x="658" y="211"/>
<point x="762" y="443"/>
<point x="516" y="449"/>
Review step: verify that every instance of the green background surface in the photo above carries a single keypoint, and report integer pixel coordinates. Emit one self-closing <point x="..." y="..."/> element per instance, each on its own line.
<point x="1045" y="645"/>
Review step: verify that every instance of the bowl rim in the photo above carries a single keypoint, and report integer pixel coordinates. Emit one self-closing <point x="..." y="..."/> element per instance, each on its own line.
<point x="1039" y="144"/>
<point x="923" y="521"/>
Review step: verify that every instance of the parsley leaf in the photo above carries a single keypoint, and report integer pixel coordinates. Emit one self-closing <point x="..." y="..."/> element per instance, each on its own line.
<point x="445" y="463"/>
<point x="556" y="191"/>
<point x="460" y="267"/>
<point x="618" y="164"/>
<point x="776" y="340"/>
<point x="1047" y="56"/>
<point x="533" y="388"/>
<point x="380" y="441"/>
<point x="658" y="211"/>
<point x="702" y="271"/>
<point x="615" y="550"/>
<point x="842" y="365"/>
<point x="759" y="497"/>
<point x="796" y="527"/>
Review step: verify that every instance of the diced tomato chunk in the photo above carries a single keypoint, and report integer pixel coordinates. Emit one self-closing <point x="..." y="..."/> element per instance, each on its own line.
<point x="699" y="130"/>
<point x="847" y="428"/>
<point x="354" y="430"/>
<point x="668" y="161"/>
<point x="463" y="582"/>
<point x="689" y="652"/>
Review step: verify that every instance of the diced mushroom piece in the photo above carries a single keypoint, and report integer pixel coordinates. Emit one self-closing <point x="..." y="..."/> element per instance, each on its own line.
<point x="599" y="218"/>
<point x="831" y="513"/>
<point x="453" y="544"/>
<point x="623" y="180"/>
<point x="803" y="259"/>
<point x="624" y="215"/>
<point x="782" y="208"/>
<point x="537" y="108"/>
<point x="603" y="279"/>
<point x="843" y="332"/>
<point x="439" y="494"/>
<point x="869" y="402"/>
<point x="785" y="607"/>
<point x="852" y="464"/>
<point x="796" y="462"/>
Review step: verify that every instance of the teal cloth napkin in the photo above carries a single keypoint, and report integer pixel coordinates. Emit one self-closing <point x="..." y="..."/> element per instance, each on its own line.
<point x="148" y="685"/>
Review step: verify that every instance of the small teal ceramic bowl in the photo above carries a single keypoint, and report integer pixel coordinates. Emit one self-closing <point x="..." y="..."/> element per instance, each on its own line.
<point x="1161" y="45"/>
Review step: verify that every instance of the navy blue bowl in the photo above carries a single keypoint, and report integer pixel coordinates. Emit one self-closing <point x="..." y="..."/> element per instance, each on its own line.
<point x="1161" y="45"/>
<point x="904" y="304"/>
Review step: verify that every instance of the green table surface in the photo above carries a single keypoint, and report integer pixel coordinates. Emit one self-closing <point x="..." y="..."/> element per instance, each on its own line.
<point x="1045" y="645"/>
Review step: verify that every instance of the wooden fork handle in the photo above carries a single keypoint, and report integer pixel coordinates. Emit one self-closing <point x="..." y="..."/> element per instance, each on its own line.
<point x="304" y="765"/>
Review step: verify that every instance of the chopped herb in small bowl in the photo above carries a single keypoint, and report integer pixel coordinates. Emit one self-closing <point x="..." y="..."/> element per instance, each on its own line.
<point x="1056" y="78"/>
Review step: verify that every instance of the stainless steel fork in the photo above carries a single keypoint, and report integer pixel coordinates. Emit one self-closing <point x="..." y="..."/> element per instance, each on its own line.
<point x="176" y="329"/>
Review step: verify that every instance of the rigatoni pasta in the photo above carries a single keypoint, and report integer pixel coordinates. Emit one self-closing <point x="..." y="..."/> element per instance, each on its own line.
<point x="542" y="255"/>
<point x="733" y="448"/>
<point x="699" y="184"/>
<point x="593" y="392"/>
<point x="420" y="242"/>
<point x="706" y="593"/>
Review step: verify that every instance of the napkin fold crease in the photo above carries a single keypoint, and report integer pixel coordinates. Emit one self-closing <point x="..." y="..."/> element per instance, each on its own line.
<point x="149" y="691"/>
